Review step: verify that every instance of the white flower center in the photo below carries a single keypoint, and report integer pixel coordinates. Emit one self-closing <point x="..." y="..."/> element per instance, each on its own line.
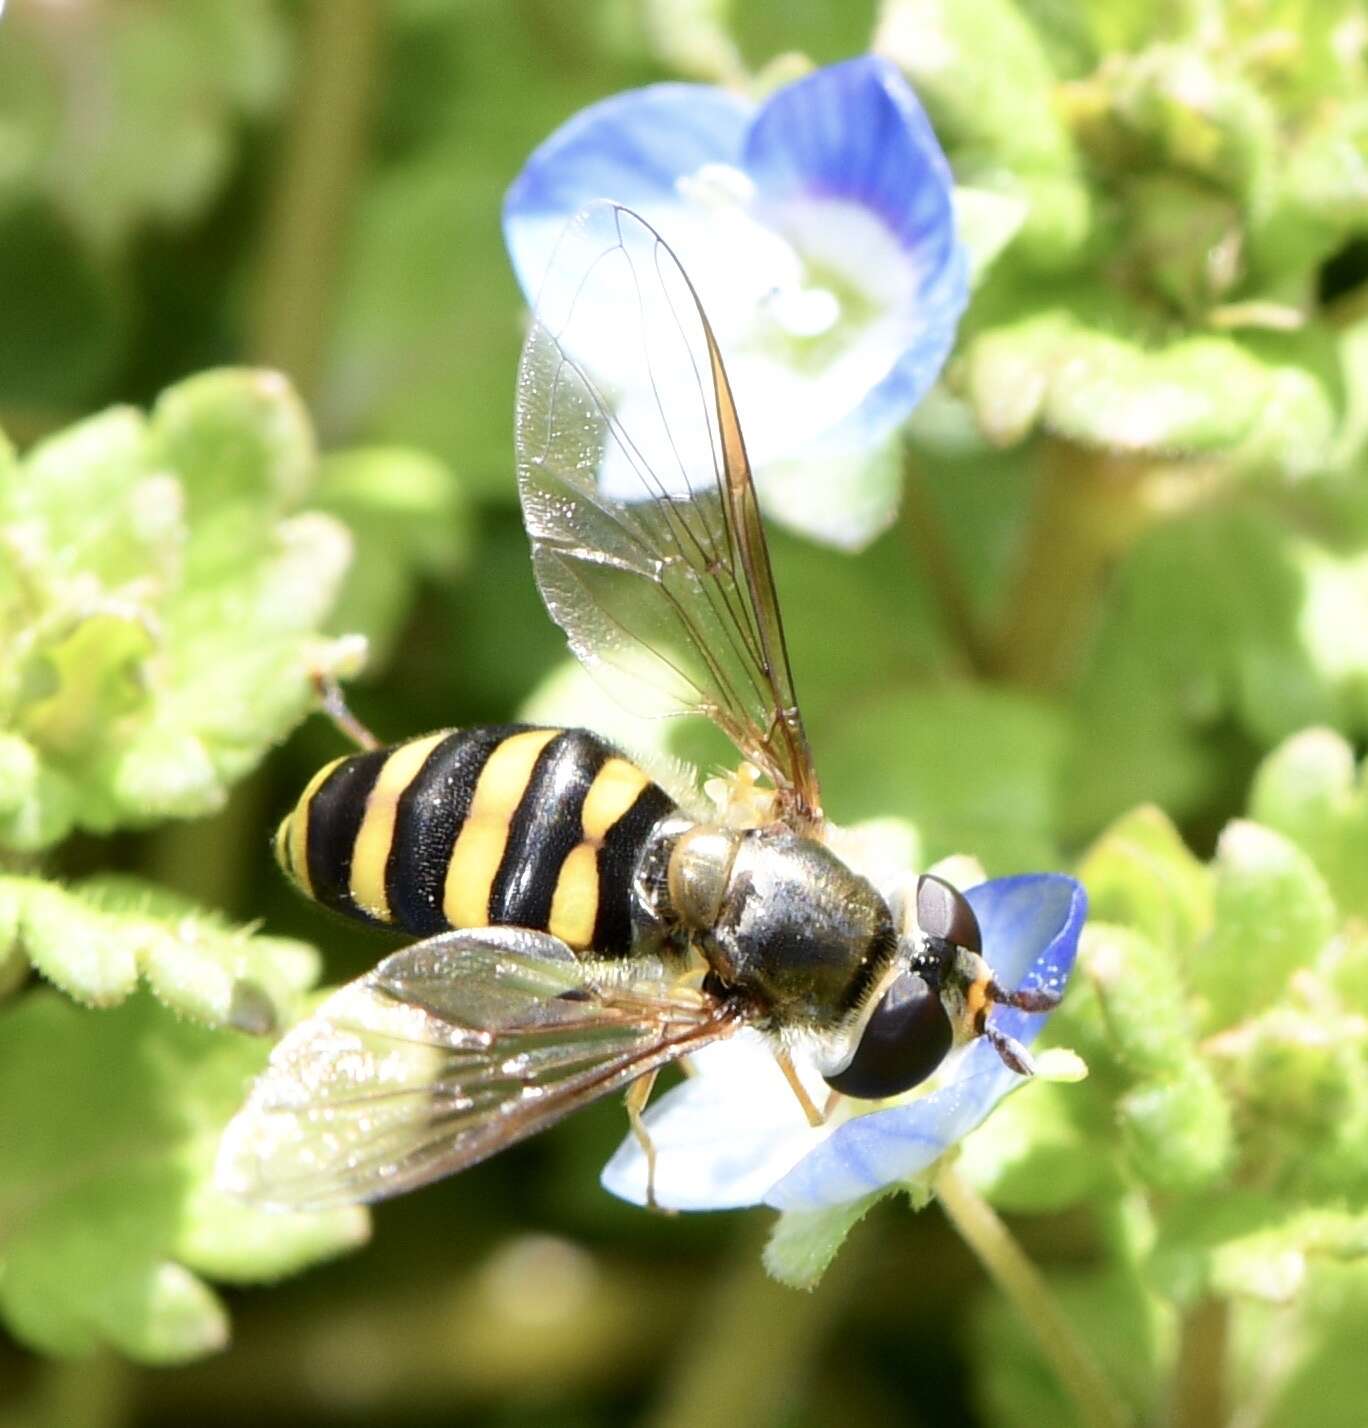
<point x="808" y="297"/>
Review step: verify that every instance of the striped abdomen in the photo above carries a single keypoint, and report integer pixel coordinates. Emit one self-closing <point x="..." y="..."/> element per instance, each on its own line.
<point x="502" y="825"/>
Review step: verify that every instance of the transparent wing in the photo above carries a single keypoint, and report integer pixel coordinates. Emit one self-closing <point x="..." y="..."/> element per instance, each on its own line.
<point x="636" y="490"/>
<point x="447" y="1052"/>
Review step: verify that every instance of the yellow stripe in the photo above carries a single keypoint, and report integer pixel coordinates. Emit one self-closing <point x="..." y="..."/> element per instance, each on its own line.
<point x="298" y="850"/>
<point x="480" y="845"/>
<point x="612" y="793"/>
<point x="574" y="904"/>
<point x="371" y="850"/>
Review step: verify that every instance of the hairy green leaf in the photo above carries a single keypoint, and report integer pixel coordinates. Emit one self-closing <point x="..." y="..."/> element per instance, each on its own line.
<point x="804" y="1242"/>
<point x="96" y="939"/>
<point x="106" y="1208"/>
<point x="1310" y="790"/>
<point x="159" y="605"/>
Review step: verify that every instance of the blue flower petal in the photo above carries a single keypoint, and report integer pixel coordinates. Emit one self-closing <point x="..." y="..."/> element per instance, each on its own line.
<point x="1030" y="933"/>
<point x="631" y="148"/>
<point x="856" y="131"/>
<point x="891" y="401"/>
<point x="856" y="134"/>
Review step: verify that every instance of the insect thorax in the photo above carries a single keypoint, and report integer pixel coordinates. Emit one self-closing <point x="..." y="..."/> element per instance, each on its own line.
<point x="500" y="825"/>
<point x="781" y="919"/>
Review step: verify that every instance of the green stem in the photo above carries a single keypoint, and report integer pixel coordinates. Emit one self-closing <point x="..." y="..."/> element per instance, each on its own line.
<point x="921" y="528"/>
<point x="1089" y="508"/>
<point x="307" y="220"/>
<point x="1199" y="1388"/>
<point x="1026" y="1288"/>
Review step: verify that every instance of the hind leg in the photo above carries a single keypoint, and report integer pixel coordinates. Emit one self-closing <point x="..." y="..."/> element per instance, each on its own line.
<point x="333" y="704"/>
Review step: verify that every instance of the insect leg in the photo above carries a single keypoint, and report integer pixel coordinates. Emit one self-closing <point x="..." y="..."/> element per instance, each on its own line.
<point x="1014" y="1054"/>
<point x="335" y="707"/>
<point x="1031" y="999"/>
<point x="815" y="1117"/>
<point x="638" y="1093"/>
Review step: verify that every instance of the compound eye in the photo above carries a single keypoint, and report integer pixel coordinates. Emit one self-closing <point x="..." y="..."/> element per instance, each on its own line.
<point x="944" y="912"/>
<point x="904" y="1041"/>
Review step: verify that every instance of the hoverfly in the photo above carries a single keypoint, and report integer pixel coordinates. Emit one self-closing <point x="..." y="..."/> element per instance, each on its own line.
<point x="581" y="927"/>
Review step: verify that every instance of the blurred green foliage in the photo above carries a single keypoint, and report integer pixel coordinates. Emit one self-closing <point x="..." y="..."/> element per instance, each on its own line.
<point x="1121" y="624"/>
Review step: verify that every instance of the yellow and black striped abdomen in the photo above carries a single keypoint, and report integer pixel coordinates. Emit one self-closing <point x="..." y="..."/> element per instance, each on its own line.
<point x="502" y="825"/>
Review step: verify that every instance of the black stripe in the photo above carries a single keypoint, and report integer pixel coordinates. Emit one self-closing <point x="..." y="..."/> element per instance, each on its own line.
<point x="335" y="812"/>
<point x="617" y="859"/>
<point x="427" y="820"/>
<point x="545" y="826"/>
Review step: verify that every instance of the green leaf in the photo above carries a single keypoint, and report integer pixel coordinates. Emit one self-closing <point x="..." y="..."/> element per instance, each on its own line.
<point x="986" y="223"/>
<point x="804" y="1242"/>
<point x="1270" y="1264"/>
<point x="1309" y="790"/>
<point x="1140" y="873"/>
<point x="987" y="81"/>
<point x="1178" y="1130"/>
<point x="1250" y="1245"/>
<point x="1299" y="1073"/>
<point x="1175" y="1119"/>
<point x="1260" y="403"/>
<point x="1182" y="232"/>
<point x="1140" y="988"/>
<point x="242" y="443"/>
<point x="96" y="939"/>
<point x="162" y="605"/>
<point x="1226" y="618"/>
<point x="982" y="73"/>
<point x="1273" y="914"/>
<point x="103" y="1173"/>
<point x="1326" y="1384"/>
<point x="1179" y="1259"/>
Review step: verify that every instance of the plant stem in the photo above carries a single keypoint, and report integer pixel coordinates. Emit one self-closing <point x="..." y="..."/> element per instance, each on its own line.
<point x="922" y="528"/>
<point x="307" y="219"/>
<point x="1199" y="1388"/>
<point x="1089" y="508"/>
<point x="1025" y="1287"/>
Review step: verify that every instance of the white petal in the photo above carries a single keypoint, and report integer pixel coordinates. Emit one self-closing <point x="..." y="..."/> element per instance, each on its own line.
<point x="723" y="1137"/>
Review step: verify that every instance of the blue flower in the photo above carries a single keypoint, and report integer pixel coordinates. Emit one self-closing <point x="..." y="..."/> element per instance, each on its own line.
<point x="819" y="232"/>
<point x="733" y="1134"/>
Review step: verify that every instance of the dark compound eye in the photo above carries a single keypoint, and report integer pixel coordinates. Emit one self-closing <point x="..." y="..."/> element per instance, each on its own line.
<point x="905" y="1040"/>
<point x="944" y="912"/>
